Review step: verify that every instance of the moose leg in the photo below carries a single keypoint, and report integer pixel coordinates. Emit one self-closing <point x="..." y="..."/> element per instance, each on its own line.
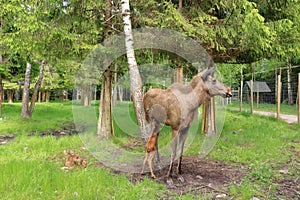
<point x="157" y="154"/>
<point x="174" y="147"/>
<point x="145" y="160"/>
<point x="182" y="137"/>
<point x="151" y="164"/>
<point x="156" y="129"/>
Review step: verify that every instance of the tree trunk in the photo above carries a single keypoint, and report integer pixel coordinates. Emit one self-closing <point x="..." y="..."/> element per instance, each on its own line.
<point x="47" y="96"/>
<point x="39" y="98"/>
<point x="86" y="95"/>
<point x="120" y="91"/>
<point x="1" y="86"/>
<point x="95" y="93"/>
<point x="107" y="19"/>
<point x="180" y="4"/>
<point x="135" y="78"/>
<point x="17" y="95"/>
<point x="10" y="96"/>
<point x="105" y="128"/>
<point x="36" y="89"/>
<point x="179" y="75"/>
<point x="1" y="91"/>
<point x="179" y="71"/>
<point x="44" y="96"/>
<point x="25" y="96"/>
<point x="77" y="94"/>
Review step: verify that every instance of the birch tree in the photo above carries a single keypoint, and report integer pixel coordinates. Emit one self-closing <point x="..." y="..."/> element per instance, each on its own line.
<point x="27" y="109"/>
<point x="135" y="78"/>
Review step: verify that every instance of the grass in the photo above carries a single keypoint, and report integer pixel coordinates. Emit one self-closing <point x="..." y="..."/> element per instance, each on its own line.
<point x="32" y="175"/>
<point x="36" y="173"/>
<point x="262" y="145"/>
<point x="45" y="117"/>
<point x="284" y="108"/>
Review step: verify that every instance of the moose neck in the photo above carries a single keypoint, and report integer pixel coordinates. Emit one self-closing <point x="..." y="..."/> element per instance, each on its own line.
<point x="199" y="89"/>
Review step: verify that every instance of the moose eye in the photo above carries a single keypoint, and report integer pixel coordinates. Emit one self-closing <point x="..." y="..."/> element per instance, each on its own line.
<point x="214" y="81"/>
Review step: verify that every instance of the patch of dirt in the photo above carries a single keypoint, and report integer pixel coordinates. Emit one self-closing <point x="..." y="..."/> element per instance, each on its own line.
<point x="5" y="138"/>
<point x="288" y="185"/>
<point x="200" y="176"/>
<point x="67" y="129"/>
<point x="290" y="119"/>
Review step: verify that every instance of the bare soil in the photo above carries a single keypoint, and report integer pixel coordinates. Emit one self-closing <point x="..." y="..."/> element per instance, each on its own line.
<point x="5" y="138"/>
<point x="67" y="129"/>
<point x="201" y="176"/>
<point x="288" y="185"/>
<point x="290" y="119"/>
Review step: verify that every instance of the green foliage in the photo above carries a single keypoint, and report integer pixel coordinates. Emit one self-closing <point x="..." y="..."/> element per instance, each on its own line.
<point x="32" y="31"/>
<point x="232" y="31"/>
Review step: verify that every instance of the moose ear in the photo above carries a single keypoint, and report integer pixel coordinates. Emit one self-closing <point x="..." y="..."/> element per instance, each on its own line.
<point x="207" y="73"/>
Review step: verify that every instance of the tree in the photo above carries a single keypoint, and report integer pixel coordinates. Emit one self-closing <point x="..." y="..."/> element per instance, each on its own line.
<point x="105" y="127"/>
<point x="135" y="78"/>
<point x="1" y="89"/>
<point x="1" y="86"/>
<point x="27" y="109"/>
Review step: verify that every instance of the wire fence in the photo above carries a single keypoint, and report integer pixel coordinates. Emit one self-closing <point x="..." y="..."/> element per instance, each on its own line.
<point x="265" y="89"/>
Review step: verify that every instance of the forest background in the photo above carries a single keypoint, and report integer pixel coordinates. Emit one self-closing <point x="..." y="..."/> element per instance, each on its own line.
<point x="243" y="37"/>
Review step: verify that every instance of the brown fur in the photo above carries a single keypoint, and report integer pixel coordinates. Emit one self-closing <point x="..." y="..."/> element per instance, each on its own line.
<point x="150" y="152"/>
<point x="178" y="105"/>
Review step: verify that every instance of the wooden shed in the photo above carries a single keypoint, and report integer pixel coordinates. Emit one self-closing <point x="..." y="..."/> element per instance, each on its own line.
<point x="259" y="90"/>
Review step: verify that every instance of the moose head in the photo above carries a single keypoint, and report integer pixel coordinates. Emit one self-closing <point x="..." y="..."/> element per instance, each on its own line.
<point x="213" y="86"/>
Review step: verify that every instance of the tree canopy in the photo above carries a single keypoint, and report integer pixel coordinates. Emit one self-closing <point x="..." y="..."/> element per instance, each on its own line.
<point x="63" y="32"/>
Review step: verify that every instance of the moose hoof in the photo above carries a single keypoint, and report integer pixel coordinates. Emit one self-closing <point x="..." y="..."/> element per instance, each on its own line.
<point x="153" y="176"/>
<point x="180" y="178"/>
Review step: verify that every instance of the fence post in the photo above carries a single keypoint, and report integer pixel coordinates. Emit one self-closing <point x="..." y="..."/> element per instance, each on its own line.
<point x="257" y="96"/>
<point x="204" y="117"/>
<point x="251" y="96"/>
<point x="241" y="94"/>
<point x="212" y="115"/>
<point x="241" y="91"/>
<point x="278" y="95"/>
<point x="298" y="97"/>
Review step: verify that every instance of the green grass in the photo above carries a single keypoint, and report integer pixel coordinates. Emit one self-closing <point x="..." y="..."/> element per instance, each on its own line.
<point x="262" y="145"/>
<point x="284" y="108"/>
<point x="36" y="174"/>
<point x="45" y="117"/>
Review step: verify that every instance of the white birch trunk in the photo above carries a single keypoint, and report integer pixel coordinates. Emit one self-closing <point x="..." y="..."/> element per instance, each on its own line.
<point x="36" y="88"/>
<point x="25" y="96"/>
<point x="135" y="78"/>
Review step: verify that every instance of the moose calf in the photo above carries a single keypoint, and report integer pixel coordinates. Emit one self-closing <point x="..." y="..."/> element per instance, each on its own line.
<point x="150" y="152"/>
